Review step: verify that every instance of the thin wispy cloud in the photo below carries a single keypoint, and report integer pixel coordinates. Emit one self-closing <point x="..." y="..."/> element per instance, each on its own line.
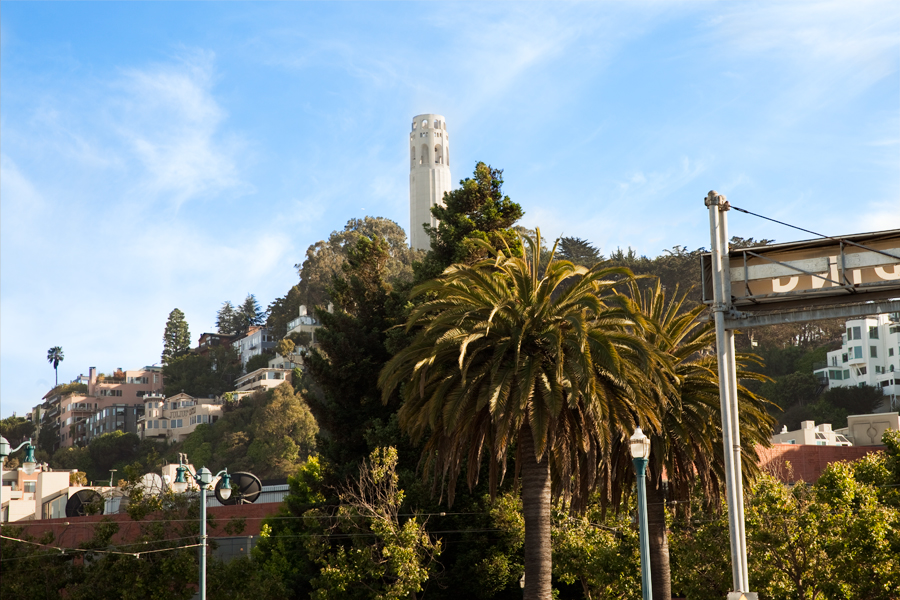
<point x="168" y="117"/>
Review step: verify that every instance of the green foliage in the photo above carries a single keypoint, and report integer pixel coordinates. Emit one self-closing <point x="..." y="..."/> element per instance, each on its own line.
<point x="836" y="539"/>
<point x="340" y="381"/>
<point x="114" y="447"/>
<point x="599" y="551"/>
<point x="176" y="338"/>
<point x="699" y="547"/>
<point x="260" y="361"/>
<point x="325" y="258"/>
<point x="796" y="388"/>
<point x="497" y="353"/>
<point x="250" y="314"/>
<point x="243" y="579"/>
<point x="857" y="400"/>
<point x="477" y="210"/>
<point x="285" y="347"/>
<point x="68" y="388"/>
<point x="282" y="548"/>
<point x="16" y="429"/>
<point x="202" y="375"/>
<point x="227" y="319"/>
<point x="578" y="251"/>
<point x="384" y="559"/>
<point x="268" y="434"/>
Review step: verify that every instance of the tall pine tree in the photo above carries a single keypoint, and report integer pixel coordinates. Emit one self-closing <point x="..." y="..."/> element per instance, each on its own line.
<point x="176" y="338"/>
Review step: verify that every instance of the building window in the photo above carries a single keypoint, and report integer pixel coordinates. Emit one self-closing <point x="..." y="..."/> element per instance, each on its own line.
<point x="857" y="333"/>
<point x="861" y="371"/>
<point x="29" y="487"/>
<point x="844" y="357"/>
<point x="857" y="352"/>
<point x="873" y="333"/>
<point x="890" y="351"/>
<point x="873" y="351"/>
<point x="846" y="373"/>
<point x="56" y="508"/>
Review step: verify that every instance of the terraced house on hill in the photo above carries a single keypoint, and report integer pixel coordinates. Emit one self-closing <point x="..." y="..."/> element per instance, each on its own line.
<point x="869" y="355"/>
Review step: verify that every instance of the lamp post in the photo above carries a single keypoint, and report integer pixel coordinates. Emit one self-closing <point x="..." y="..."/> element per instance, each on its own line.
<point x="203" y="478"/>
<point x="640" y="452"/>
<point x="28" y="466"/>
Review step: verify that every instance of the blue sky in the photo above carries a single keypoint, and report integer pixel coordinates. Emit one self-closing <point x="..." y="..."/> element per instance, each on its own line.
<point x="162" y="155"/>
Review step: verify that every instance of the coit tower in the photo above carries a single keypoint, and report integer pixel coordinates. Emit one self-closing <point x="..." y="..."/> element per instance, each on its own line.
<point x="429" y="174"/>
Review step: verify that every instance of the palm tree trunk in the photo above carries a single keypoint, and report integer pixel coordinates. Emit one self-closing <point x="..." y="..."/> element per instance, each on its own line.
<point x="536" y="509"/>
<point x="660" y="575"/>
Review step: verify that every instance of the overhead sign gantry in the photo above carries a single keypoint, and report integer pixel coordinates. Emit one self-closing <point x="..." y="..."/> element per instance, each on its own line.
<point x="833" y="277"/>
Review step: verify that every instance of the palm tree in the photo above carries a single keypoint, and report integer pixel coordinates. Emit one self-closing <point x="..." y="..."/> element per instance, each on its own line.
<point x="506" y="358"/>
<point x="687" y="445"/>
<point x="55" y="356"/>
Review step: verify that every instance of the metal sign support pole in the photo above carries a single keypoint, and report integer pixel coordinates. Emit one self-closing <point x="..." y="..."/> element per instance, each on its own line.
<point x="731" y="435"/>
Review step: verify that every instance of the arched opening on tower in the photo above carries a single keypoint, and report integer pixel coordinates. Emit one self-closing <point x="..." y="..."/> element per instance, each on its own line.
<point x="423" y="159"/>
<point x="424" y="123"/>
<point x="412" y="155"/>
<point x="438" y="154"/>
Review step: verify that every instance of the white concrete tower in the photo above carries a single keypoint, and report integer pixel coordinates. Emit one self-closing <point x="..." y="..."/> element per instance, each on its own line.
<point x="429" y="174"/>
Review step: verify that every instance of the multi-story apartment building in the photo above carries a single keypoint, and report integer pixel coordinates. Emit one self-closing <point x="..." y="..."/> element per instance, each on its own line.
<point x="97" y="404"/>
<point x="172" y="419"/>
<point x="869" y="355"/>
<point x="257" y="341"/>
<point x="263" y="379"/>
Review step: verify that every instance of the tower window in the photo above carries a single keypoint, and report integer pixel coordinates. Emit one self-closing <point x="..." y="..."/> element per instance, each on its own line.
<point x="424" y="122"/>
<point x="438" y="155"/>
<point x="412" y="154"/>
<point x="415" y="125"/>
<point x="424" y="157"/>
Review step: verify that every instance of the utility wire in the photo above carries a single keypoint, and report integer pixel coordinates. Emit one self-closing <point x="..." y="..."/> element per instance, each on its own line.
<point x="782" y="223"/>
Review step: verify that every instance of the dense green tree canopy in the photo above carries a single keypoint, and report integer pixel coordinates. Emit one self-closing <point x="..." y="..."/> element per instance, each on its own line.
<point x="477" y="210"/>
<point x="202" y="375"/>
<point x="342" y="373"/>
<point x="325" y="258"/>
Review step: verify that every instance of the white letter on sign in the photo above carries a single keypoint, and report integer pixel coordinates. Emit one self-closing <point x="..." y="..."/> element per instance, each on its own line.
<point x="787" y="287"/>
<point x="882" y="272"/>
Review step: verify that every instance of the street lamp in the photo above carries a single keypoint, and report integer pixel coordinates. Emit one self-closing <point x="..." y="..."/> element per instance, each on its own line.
<point x="640" y="452"/>
<point x="203" y="478"/>
<point x="28" y="466"/>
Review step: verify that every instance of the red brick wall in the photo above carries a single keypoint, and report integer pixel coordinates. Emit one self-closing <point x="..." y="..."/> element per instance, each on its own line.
<point x="73" y="532"/>
<point x="807" y="462"/>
